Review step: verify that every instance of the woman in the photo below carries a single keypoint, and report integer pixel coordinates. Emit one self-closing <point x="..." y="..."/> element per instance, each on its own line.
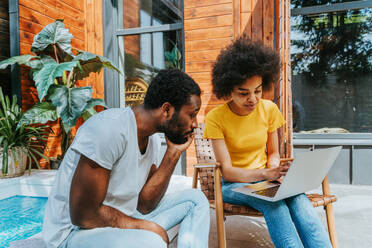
<point x="245" y="142"/>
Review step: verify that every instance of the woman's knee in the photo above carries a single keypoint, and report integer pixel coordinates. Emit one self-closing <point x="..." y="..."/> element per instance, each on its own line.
<point x="277" y="207"/>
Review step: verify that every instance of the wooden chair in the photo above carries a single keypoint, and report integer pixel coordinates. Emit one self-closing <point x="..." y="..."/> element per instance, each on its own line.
<point x="209" y="173"/>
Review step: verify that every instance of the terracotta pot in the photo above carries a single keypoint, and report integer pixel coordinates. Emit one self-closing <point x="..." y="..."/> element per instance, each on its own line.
<point x="16" y="164"/>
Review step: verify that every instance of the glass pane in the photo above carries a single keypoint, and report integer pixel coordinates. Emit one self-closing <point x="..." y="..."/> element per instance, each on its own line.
<point x="145" y="55"/>
<point x="4" y="48"/>
<point x="145" y="13"/>
<point x="331" y="56"/>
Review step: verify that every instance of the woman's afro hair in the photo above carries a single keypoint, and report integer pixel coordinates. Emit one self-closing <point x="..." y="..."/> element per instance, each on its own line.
<point x="241" y="60"/>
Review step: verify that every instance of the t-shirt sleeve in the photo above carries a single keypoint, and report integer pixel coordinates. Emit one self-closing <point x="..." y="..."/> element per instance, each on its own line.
<point x="104" y="143"/>
<point x="213" y="129"/>
<point x="275" y="117"/>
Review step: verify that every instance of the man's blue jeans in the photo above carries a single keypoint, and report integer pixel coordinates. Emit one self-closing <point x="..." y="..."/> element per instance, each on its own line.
<point x="189" y="207"/>
<point x="292" y="222"/>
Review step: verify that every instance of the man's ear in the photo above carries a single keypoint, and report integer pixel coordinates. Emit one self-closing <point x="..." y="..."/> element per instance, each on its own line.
<point x="167" y="110"/>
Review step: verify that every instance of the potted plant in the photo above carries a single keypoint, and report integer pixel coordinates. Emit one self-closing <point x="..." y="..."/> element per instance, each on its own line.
<point x="19" y="142"/>
<point x="55" y="69"/>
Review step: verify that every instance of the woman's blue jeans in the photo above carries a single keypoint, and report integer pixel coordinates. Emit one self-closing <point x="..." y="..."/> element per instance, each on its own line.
<point x="292" y="222"/>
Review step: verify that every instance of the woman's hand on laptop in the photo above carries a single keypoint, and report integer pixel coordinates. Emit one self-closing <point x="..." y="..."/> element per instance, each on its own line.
<point x="276" y="173"/>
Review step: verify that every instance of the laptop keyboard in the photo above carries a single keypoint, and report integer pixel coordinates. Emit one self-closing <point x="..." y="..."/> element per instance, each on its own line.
<point x="269" y="192"/>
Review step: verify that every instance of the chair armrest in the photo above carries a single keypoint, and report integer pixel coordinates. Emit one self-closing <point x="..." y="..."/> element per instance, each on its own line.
<point x="213" y="165"/>
<point x="207" y="165"/>
<point x="283" y="160"/>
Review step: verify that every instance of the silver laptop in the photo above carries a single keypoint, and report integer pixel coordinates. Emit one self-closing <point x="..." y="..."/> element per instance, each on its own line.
<point x="307" y="172"/>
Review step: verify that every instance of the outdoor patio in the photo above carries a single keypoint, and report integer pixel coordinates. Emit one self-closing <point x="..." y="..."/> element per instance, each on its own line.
<point x="353" y="213"/>
<point x="330" y="108"/>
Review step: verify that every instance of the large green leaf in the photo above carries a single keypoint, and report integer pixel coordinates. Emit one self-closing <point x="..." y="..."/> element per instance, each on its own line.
<point x="94" y="102"/>
<point x="70" y="103"/>
<point x="37" y="64"/>
<point x="44" y="78"/>
<point x="40" y="113"/>
<point x="91" y="63"/>
<point x="53" y="34"/>
<point x="89" y="109"/>
<point x="22" y="60"/>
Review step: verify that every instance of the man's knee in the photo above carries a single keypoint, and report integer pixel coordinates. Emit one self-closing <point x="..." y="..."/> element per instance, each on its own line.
<point x="197" y="196"/>
<point x="150" y="239"/>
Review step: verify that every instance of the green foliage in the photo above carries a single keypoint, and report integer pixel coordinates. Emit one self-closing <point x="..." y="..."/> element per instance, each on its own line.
<point x="174" y="58"/>
<point x="55" y="71"/>
<point x="331" y="43"/>
<point x="16" y="135"/>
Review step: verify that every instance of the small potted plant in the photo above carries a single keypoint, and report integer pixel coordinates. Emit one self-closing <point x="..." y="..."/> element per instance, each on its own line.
<point x="19" y="142"/>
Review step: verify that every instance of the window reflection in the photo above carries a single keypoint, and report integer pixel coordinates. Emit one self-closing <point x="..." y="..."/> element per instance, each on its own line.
<point x="331" y="56"/>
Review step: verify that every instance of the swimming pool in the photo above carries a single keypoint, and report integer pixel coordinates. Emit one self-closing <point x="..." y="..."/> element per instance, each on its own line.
<point x="20" y="217"/>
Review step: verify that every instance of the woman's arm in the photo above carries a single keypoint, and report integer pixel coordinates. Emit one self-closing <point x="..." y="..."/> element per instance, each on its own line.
<point x="272" y="145"/>
<point x="233" y="174"/>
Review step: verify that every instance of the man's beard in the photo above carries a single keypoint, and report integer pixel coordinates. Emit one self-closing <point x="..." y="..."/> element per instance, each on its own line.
<point x="173" y="130"/>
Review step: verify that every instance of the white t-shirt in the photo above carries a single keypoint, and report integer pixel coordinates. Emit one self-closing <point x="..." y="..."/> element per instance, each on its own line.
<point x="110" y="139"/>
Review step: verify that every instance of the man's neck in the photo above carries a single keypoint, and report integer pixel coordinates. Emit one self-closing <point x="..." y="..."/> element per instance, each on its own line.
<point x="146" y="126"/>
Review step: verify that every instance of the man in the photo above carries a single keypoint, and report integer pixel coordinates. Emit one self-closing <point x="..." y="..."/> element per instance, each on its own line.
<point x="109" y="190"/>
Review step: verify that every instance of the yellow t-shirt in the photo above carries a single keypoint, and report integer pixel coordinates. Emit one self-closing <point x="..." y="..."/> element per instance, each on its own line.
<point x="245" y="136"/>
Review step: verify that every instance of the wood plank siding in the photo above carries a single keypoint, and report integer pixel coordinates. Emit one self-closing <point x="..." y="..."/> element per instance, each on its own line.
<point x="210" y="25"/>
<point x="83" y="18"/>
<point x="4" y="46"/>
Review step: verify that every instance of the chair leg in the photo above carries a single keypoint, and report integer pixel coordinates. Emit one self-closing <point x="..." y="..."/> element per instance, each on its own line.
<point x="331" y="225"/>
<point x="220" y="222"/>
<point x="195" y="178"/>
<point x="330" y="215"/>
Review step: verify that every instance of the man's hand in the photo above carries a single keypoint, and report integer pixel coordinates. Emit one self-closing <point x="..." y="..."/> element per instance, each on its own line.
<point x="276" y="172"/>
<point x="181" y="147"/>
<point x="153" y="227"/>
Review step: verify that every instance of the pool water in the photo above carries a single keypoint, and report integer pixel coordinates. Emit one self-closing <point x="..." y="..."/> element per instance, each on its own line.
<point x="20" y="217"/>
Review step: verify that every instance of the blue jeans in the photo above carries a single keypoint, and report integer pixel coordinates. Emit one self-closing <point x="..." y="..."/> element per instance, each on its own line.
<point x="189" y="208"/>
<point x="292" y="222"/>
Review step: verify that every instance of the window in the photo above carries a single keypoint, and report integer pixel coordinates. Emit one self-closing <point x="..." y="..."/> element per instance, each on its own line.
<point x="4" y="46"/>
<point x="331" y="54"/>
<point x="150" y="37"/>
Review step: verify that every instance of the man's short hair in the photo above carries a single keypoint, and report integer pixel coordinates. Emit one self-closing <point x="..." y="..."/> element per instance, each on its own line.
<point x="173" y="86"/>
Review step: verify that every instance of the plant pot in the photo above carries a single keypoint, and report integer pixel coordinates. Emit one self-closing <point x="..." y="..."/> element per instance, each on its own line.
<point x="16" y="164"/>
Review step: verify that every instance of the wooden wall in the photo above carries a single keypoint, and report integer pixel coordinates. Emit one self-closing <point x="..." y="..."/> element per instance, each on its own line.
<point x="4" y="45"/>
<point x="210" y="25"/>
<point x="83" y="18"/>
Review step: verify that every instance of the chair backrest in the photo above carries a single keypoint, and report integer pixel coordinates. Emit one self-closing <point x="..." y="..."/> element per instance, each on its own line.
<point x="205" y="154"/>
<point x="135" y="91"/>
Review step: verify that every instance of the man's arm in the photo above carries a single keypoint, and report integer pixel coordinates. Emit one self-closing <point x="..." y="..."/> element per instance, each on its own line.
<point x="88" y="190"/>
<point x="158" y="180"/>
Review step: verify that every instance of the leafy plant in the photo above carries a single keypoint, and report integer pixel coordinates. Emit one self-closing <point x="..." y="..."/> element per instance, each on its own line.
<point x="14" y="135"/>
<point x="174" y="57"/>
<point x="55" y="70"/>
